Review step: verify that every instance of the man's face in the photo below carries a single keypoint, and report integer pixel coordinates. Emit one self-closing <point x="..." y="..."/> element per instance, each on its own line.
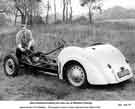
<point x="23" y="27"/>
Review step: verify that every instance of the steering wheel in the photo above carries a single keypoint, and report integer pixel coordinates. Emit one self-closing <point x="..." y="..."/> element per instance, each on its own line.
<point x="60" y="43"/>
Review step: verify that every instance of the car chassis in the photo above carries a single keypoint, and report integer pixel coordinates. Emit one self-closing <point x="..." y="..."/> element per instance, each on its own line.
<point x="36" y="61"/>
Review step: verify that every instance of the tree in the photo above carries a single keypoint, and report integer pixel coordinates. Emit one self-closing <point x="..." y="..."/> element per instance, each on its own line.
<point x="71" y="11"/>
<point x="67" y="11"/>
<point x="92" y="5"/>
<point x="25" y="9"/>
<point x="7" y="8"/>
<point x="64" y="9"/>
<point x="55" y="16"/>
<point x="47" y="7"/>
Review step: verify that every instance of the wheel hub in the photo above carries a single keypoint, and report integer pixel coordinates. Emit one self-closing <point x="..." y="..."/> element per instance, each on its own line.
<point x="76" y="75"/>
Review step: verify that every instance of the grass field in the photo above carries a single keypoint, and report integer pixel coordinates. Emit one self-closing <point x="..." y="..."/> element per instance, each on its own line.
<point x="43" y="87"/>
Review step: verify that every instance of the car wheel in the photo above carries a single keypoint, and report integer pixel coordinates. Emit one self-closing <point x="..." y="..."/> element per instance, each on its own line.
<point x="76" y="75"/>
<point x="11" y="65"/>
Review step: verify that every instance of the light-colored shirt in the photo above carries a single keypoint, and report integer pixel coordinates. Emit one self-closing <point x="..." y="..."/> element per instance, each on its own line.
<point x="24" y="37"/>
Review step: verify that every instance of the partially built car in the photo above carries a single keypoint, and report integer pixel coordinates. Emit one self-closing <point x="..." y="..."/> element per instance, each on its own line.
<point x="98" y="64"/>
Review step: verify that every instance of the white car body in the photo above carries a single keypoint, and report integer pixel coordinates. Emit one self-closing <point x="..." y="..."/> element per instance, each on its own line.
<point x="102" y="63"/>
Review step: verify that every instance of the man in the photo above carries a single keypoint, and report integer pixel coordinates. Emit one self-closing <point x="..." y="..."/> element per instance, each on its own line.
<point x="24" y="42"/>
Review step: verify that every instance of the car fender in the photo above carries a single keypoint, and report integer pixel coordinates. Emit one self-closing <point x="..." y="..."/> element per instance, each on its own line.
<point x="94" y="76"/>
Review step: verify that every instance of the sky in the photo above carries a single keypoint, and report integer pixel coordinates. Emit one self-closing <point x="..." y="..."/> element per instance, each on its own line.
<point x="123" y="3"/>
<point x="78" y="10"/>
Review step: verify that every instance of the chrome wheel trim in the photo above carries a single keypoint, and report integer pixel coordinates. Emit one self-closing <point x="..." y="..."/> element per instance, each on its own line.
<point x="76" y="75"/>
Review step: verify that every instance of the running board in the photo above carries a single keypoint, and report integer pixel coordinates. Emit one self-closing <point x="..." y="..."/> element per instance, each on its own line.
<point x="49" y="73"/>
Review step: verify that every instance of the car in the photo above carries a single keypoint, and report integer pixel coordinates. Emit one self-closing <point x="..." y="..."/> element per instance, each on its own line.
<point x="97" y="64"/>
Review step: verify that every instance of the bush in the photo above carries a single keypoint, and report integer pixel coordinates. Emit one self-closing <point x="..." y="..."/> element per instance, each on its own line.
<point x="58" y="22"/>
<point x="81" y="20"/>
<point x="37" y="20"/>
<point x="2" y="19"/>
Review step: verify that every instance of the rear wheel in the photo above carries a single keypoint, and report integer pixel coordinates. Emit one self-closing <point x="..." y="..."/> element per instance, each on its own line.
<point x="76" y="75"/>
<point x="11" y="65"/>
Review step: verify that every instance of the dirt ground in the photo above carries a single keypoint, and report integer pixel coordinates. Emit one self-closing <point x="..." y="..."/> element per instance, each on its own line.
<point x="27" y="86"/>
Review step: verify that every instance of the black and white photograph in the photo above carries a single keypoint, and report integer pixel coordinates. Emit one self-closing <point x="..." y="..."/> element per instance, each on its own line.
<point x="67" y="50"/>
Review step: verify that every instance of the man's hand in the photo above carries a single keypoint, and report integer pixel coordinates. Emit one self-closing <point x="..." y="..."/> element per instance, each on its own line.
<point x="31" y="43"/>
<point x="29" y="46"/>
<point x="20" y="47"/>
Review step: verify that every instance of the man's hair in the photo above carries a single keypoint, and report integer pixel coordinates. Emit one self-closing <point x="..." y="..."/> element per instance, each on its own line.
<point x="23" y="26"/>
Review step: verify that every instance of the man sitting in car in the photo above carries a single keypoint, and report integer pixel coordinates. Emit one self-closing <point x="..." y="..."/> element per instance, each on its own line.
<point x="24" y="42"/>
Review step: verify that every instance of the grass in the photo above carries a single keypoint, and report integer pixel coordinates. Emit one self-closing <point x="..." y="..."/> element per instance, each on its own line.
<point x="120" y="34"/>
<point x="28" y="87"/>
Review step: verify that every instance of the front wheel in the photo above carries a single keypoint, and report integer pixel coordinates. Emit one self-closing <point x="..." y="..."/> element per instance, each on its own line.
<point x="76" y="75"/>
<point x="11" y="65"/>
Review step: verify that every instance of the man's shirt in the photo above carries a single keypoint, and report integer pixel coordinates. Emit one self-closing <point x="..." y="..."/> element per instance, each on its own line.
<point x="23" y="37"/>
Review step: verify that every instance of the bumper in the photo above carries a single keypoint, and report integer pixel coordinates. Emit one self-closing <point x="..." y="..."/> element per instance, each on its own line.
<point x="110" y="79"/>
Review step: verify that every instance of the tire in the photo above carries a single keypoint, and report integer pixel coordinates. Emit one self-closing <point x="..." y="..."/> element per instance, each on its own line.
<point x="11" y="65"/>
<point x="76" y="75"/>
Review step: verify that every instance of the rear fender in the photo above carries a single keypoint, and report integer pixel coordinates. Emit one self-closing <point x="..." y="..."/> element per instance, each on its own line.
<point x="92" y="73"/>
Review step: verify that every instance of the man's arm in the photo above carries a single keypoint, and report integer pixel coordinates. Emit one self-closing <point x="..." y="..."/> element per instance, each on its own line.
<point x="31" y="43"/>
<point x="20" y="47"/>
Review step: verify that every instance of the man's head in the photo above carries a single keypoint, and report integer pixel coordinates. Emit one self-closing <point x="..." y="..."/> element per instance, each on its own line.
<point x="24" y="26"/>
